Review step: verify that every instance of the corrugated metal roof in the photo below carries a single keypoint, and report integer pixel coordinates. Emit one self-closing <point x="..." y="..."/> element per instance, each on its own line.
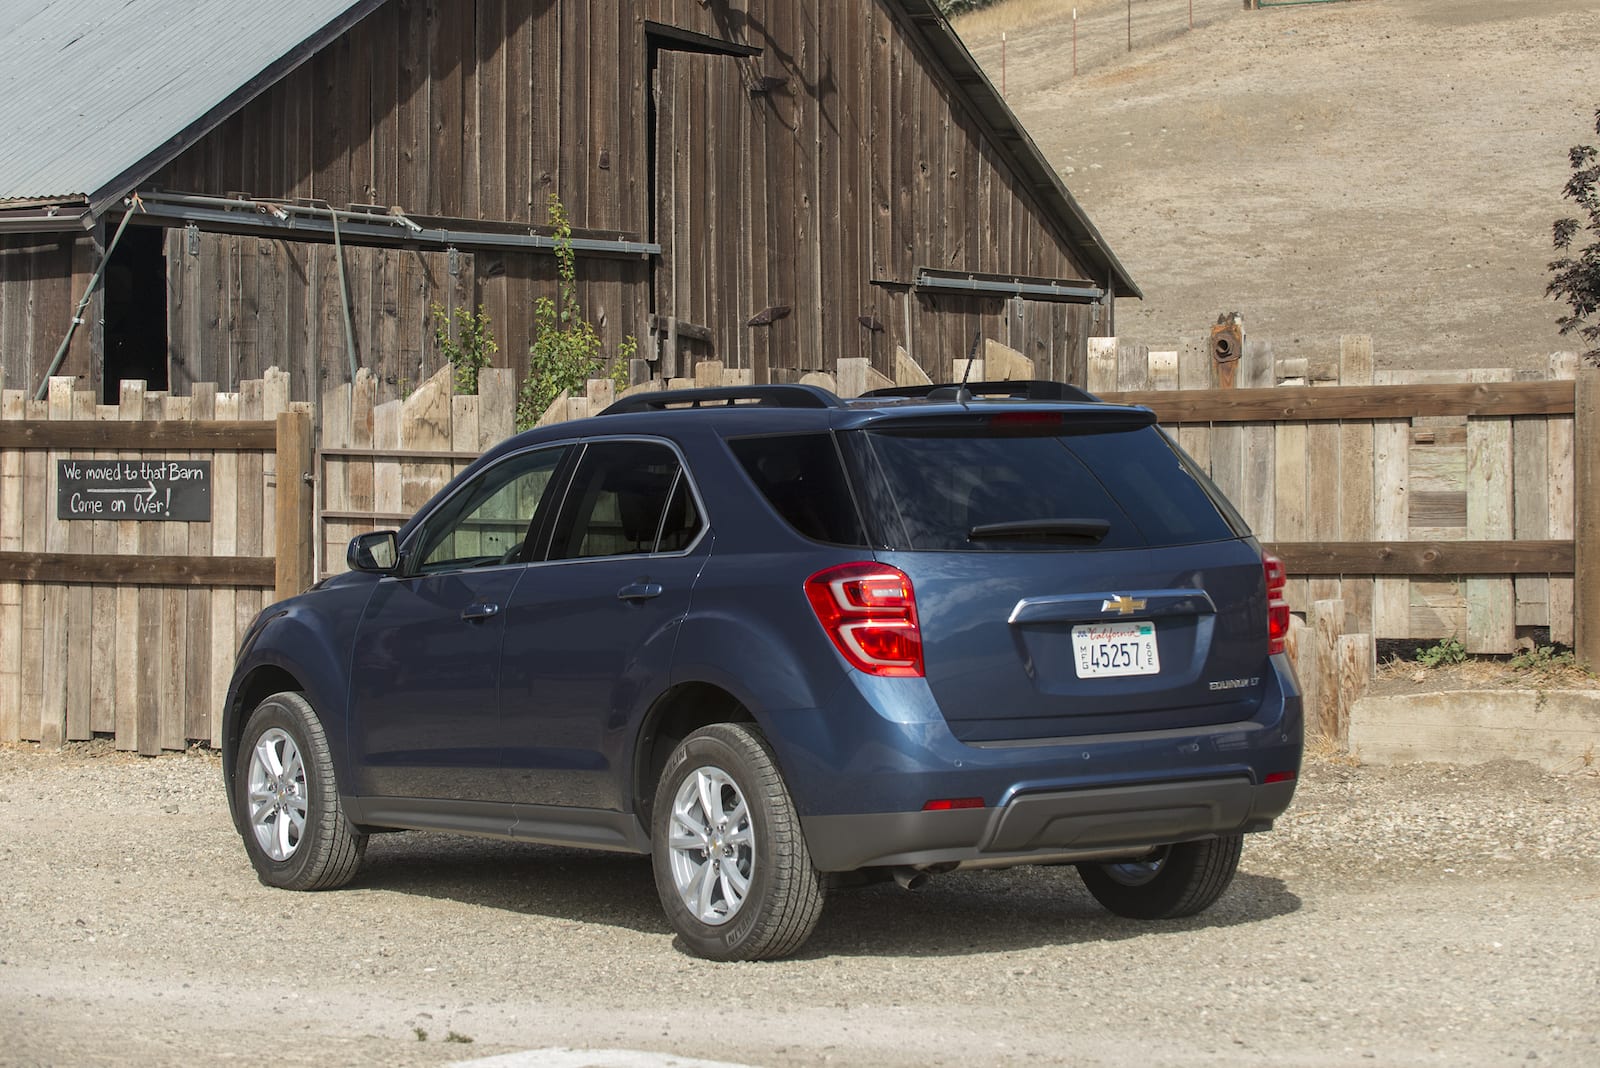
<point x="91" y="88"/>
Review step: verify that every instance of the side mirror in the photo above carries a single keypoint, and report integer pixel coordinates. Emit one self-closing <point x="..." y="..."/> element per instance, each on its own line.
<point x="377" y="551"/>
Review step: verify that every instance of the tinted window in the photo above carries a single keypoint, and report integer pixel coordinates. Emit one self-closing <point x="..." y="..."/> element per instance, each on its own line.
<point x="800" y="476"/>
<point x="487" y="521"/>
<point x="938" y="489"/>
<point x="626" y="498"/>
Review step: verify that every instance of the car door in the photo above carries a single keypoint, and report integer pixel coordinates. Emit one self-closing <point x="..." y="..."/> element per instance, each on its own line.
<point x="589" y="632"/>
<point x="426" y="661"/>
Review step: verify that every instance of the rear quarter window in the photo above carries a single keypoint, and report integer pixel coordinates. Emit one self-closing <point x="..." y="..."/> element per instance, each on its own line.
<point x="801" y="476"/>
<point x="937" y="489"/>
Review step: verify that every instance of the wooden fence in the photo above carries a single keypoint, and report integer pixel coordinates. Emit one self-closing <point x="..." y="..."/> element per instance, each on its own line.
<point x="121" y="620"/>
<point x="1405" y="506"/>
<point x="1433" y="504"/>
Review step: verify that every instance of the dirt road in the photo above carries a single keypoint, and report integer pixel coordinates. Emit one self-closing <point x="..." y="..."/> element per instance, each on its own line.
<point x="1389" y="167"/>
<point x="1405" y="916"/>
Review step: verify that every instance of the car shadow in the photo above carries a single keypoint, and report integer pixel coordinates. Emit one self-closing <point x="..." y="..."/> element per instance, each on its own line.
<point x="954" y="914"/>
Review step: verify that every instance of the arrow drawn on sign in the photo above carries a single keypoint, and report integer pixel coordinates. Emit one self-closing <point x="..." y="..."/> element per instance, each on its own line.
<point x="149" y="491"/>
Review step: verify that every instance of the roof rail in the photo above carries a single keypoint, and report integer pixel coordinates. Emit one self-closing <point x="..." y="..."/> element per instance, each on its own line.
<point x="777" y="396"/>
<point x="1024" y="389"/>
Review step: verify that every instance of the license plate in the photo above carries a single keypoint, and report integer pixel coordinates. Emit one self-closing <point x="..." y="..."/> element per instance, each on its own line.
<point x="1107" y="650"/>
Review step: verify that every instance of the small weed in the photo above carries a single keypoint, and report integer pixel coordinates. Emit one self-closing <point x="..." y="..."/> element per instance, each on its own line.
<point x="1445" y="651"/>
<point x="456" y="1036"/>
<point x="422" y="1035"/>
<point x="1542" y="658"/>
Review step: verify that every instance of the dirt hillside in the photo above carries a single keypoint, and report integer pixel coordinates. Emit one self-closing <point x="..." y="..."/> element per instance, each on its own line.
<point x="1389" y="167"/>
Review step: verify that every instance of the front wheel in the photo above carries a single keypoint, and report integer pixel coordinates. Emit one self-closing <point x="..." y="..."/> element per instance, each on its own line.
<point x="295" y="829"/>
<point x="731" y="864"/>
<point x="1175" y="880"/>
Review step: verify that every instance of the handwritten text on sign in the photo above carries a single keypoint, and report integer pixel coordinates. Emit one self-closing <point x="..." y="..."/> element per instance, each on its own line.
<point x="150" y="490"/>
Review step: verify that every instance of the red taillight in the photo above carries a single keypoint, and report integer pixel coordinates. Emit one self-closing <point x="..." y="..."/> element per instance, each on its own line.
<point x="1277" y="607"/>
<point x="1278" y="776"/>
<point x="1025" y="420"/>
<point x="870" y="612"/>
<point x="948" y="804"/>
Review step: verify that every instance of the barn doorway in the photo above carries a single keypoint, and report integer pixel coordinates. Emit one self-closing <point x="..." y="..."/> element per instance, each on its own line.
<point x="135" y="316"/>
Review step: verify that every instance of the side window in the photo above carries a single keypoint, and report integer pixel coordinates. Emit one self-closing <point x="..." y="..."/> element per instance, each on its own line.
<point x="800" y="476"/>
<point x="627" y="498"/>
<point x="487" y="521"/>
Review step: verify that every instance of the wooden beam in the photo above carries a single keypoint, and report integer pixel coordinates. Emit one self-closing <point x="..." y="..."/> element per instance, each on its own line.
<point x="296" y="568"/>
<point x="1586" y="513"/>
<point x="1425" y="557"/>
<point x="138" y="435"/>
<point x="1307" y="404"/>
<point x="95" y="570"/>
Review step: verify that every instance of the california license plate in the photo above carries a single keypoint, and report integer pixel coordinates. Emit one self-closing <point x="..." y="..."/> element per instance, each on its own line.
<point x="1107" y="650"/>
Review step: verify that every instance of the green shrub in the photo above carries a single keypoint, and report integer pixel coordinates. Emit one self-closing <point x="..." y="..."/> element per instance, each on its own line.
<point x="566" y="350"/>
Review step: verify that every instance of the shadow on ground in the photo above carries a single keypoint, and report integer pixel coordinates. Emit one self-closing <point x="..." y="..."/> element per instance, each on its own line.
<point x="955" y="914"/>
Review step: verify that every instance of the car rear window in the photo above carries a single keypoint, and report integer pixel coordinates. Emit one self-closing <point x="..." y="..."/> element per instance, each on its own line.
<point x="800" y="475"/>
<point x="979" y="491"/>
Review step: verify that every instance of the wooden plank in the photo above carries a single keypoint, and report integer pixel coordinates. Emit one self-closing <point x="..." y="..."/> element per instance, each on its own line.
<point x="1491" y="617"/>
<point x="425" y="425"/>
<point x="1355" y="655"/>
<point x="31" y="670"/>
<point x="1133" y="366"/>
<point x="78" y="650"/>
<point x="1327" y="626"/>
<point x="1530" y="489"/>
<point x="174" y="540"/>
<point x="224" y="638"/>
<point x="198" y="624"/>
<point x="1586" y="511"/>
<point x="1291" y="503"/>
<point x="386" y="481"/>
<point x="54" y="623"/>
<point x="295" y="555"/>
<point x="128" y="659"/>
<point x="333" y="478"/>
<point x="1355" y="490"/>
<point x="1425" y="558"/>
<point x="1391" y="505"/>
<point x="1563" y="366"/>
<point x="1102" y="366"/>
<point x="1194" y="372"/>
<point x="1315" y="403"/>
<point x="12" y="406"/>
<point x="136" y="435"/>
<point x="489" y="90"/>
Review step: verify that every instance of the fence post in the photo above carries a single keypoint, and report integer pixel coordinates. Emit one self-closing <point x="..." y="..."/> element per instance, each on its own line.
<point x="1586" y="515"/>
<point x="294" y="504"/>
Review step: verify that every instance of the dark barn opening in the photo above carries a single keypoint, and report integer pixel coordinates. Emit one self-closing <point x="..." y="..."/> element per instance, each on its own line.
<point x="136" y="312"/>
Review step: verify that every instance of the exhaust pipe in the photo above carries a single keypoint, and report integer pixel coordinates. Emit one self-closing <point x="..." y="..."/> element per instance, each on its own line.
<point x="909" y="878"/>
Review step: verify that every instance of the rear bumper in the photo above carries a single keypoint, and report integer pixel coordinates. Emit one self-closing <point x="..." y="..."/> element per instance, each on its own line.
<point x="1048" y="825"/>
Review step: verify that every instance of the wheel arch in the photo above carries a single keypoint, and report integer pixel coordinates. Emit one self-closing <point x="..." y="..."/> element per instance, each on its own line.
<point x="677" y="713"/>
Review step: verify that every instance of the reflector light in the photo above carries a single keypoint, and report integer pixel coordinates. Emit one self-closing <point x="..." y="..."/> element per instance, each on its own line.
<point x="1278" y="776"/>
<point x="869" y="611"/>
<point x="946" y="804"/>
<point x="1277" y="607"/>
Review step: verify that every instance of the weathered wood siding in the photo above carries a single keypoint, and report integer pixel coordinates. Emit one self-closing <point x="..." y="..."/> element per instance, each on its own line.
<point x="41" y="278"/>
<point x="802" y="178"/>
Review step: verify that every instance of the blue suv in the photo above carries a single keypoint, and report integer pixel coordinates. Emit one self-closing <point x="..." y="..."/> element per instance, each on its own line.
<point x="782" y="643"/>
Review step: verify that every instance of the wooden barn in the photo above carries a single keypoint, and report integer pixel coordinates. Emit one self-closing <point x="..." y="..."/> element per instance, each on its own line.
<point x="193" y="192"/>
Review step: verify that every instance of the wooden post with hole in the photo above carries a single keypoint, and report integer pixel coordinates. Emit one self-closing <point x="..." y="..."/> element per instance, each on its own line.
<point x="1586" y="516"/>
<point x="294" y="504"/>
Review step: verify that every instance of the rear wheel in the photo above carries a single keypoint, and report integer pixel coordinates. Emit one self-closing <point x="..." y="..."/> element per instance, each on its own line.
<point x="1176" y="880"/>
<point x="731" y="864"/>
<point x="295" y="828"/>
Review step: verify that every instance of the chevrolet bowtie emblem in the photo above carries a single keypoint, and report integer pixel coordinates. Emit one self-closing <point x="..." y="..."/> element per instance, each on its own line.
<point x="1123" y="605"/>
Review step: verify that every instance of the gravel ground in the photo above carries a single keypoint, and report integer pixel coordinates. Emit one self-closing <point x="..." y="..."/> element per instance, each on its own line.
<point x="1415" y="915"/>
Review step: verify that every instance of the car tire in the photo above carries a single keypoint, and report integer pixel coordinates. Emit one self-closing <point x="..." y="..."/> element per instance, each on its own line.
<point x="293" y="823"/>
<point x="1176" y="880"/>
<point x="731" y="863"/>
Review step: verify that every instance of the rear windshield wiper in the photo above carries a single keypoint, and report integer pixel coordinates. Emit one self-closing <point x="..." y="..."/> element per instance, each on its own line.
<point x="1072" y="531"/>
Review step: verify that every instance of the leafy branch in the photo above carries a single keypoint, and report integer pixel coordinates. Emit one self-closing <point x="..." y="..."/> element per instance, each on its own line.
<point x="1575" y="274"/>
<point x="471" y="350"/>
<point x="566" y="350"/>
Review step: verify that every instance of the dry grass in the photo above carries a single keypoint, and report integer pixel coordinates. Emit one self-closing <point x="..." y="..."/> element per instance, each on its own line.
<point x="1324" y="750"/>
<point x="1011" y="15"/>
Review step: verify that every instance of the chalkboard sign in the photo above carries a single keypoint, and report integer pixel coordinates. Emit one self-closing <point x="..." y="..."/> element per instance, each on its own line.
<point x="176" y="491"/>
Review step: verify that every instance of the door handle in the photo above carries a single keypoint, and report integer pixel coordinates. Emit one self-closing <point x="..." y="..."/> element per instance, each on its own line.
<point x="476" y="613"/>
<point x="639" y="591"/>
